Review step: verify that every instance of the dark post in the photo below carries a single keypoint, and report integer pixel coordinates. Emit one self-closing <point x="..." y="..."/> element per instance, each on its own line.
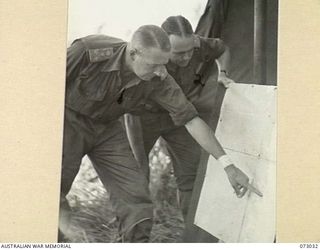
<point x="259" y="56"/>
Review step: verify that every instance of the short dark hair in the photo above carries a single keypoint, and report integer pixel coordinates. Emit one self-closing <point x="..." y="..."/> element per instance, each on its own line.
<point x="151" y="36"/>
<point x="177" y="25"/>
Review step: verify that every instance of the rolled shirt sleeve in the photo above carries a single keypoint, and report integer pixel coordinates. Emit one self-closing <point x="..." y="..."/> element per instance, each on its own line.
<point x="170" y="97"/>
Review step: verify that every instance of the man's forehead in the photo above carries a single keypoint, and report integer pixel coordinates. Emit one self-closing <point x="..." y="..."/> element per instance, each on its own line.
<point x="181" y="44"/>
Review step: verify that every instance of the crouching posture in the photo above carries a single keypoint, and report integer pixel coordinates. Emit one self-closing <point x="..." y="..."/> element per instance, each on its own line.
<point x="105" y="78"/>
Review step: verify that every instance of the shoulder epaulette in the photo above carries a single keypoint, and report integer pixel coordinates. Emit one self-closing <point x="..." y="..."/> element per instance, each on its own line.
<point x="98" y="55"/>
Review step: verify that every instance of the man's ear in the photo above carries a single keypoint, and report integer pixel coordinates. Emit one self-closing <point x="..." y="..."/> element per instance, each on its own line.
<point x="133" y="54"/>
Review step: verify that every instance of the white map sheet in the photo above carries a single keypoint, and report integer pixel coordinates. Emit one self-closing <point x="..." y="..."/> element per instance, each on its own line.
<point x="247" y="131"/>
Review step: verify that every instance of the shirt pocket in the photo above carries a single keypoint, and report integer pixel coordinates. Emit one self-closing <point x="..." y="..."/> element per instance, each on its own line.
<point x="90" y="91"/>
<point x="93" y="83"/>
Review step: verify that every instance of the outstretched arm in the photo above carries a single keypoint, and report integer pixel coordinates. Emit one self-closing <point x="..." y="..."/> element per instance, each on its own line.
<point x="204" y="135"/>
<point x="170" y="96"/>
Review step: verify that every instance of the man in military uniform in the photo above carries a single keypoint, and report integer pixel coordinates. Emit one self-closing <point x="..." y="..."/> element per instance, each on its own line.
<point x="107" y="77"/>
<point x="103" y="81"/>
<point x="192" y="64"/>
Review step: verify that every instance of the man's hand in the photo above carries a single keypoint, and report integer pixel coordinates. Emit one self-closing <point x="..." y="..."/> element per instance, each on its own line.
<point x="240" y="181"/>
<point x="226" y="81"/>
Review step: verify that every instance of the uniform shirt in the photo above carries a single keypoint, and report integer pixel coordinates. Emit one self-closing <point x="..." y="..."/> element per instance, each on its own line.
<point x="192" y="78"/>
<point x="94" y="86"/>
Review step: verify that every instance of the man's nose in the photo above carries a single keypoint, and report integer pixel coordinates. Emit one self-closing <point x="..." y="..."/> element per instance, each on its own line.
<point x="161" y="72"/>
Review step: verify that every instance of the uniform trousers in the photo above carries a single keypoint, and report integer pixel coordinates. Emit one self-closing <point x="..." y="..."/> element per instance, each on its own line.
<point x="108" y="148"/>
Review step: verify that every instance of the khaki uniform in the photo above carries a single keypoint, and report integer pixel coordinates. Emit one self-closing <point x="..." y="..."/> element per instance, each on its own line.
<point x="98" y="91"/>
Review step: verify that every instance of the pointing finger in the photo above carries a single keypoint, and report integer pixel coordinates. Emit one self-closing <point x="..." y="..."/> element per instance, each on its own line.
<point x="254" y="190"/>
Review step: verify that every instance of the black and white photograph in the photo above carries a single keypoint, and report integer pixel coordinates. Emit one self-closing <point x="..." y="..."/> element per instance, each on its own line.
<point x="170" y="123"/>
